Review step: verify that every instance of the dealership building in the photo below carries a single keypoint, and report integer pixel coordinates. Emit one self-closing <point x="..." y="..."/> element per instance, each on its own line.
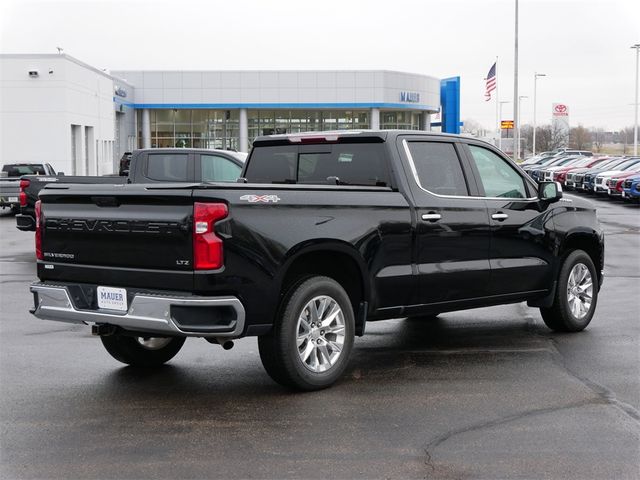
<point x="81" y="119"/>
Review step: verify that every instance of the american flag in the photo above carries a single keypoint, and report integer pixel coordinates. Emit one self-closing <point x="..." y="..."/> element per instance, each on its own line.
<point x="491" y="83"/>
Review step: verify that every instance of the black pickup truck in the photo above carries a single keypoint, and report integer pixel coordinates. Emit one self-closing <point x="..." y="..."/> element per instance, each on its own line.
<point x="142" y="166"/>
<point x="323" y="233"/>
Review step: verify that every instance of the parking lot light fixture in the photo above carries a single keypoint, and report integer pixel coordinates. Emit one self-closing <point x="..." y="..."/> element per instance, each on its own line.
<point x="536" y="75"/>
<point x="635" y="123"/>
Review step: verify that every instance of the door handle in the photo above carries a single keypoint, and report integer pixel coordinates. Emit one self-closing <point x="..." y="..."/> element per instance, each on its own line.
<point x="431" y="217"/>
<point x="499" y="216"/>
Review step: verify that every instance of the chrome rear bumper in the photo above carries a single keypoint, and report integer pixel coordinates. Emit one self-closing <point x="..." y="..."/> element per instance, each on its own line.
<point x="146" y="313"/>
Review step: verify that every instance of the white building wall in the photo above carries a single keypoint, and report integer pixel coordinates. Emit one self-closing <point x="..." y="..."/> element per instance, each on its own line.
<point x="37" y="112"/>
<point x="288" y="88"/>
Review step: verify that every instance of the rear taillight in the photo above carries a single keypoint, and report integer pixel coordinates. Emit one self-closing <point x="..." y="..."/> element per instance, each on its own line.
<point x="207" y="246"/>
<point x="39" y="227"/>
<point x="23" y="195"/>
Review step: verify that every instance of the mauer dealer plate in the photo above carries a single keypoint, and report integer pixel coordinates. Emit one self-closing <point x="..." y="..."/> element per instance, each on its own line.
<point x="112" y="298"/>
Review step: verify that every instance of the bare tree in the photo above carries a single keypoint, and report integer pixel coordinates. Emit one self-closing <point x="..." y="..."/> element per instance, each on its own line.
<point x="550" y="137"/>
<point x="526" y="136"/>
<point x="558" y="136"/>
<point x="543" y="138"/>
<point x="625" y="136"/>
<point x="580" y="138"/>
<point x="598" y="135"/>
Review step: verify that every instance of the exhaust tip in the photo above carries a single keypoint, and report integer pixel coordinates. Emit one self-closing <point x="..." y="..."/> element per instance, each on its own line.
<point x="226" y="344"/>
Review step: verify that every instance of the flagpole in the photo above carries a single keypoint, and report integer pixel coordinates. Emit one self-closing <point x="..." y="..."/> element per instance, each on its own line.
<point x="497" y="103"/>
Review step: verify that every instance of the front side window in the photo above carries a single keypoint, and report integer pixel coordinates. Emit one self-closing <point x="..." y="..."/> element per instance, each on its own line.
<point x="169" y="167"/>
<point x="438" y="168"/>
<point x="498" y="178"/>
<point x="218" y="169"/>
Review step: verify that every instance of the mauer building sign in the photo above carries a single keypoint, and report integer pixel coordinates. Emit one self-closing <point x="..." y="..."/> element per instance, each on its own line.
<point x="411" y="97"/>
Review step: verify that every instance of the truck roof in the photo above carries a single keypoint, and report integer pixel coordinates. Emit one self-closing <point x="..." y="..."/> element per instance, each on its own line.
<point x="338" y="135"/>
<point x="238" y="155"/>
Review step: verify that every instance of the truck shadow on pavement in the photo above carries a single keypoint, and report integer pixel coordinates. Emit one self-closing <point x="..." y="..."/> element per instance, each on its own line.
<point x="387" y="348"/>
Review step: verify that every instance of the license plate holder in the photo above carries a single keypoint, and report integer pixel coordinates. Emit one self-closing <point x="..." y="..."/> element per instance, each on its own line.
<point x="111" y="298"/>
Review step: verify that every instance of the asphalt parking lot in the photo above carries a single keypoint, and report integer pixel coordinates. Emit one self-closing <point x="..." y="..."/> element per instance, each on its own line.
<point x="487" y="393"/>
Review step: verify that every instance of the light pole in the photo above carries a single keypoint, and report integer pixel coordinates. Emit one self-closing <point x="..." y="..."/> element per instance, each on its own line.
<point x="516" y="149"/>
<point x="635" y="125"/>
<point x="500" y="122"/>
<point x="535" y="83"/>
<point x="519" y="114"/>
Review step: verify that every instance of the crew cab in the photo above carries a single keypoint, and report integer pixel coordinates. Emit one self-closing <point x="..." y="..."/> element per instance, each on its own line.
<point x="10" y="181"/>
<point x="142" y="166"/>
<point x="323" y="233"/>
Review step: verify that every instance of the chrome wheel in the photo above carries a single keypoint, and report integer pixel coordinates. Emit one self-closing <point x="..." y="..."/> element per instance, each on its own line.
<point x="320" y="334"/>
<point x="580" y="290"/>
<point x="153" y="343"/>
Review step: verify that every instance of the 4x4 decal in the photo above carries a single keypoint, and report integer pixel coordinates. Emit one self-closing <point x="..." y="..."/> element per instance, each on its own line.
<point x="260" y="198"/>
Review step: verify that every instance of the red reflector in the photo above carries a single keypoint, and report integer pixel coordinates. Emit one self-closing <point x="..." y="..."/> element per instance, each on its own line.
<point x="39" y="227"/>
<point x="207" y="246"/>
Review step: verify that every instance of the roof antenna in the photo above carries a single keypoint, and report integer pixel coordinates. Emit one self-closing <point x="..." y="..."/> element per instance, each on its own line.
<point x="60" y="50"/>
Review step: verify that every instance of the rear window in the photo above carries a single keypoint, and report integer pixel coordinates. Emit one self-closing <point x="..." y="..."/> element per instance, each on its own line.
<point x="19" y="170"/>
<point x="169" y="167"/>
<point x="323" y="164"/>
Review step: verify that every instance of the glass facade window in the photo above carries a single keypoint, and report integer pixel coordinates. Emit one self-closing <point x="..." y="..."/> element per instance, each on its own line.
<point x="270" y="122"/>
<point x="220" y="129"/>
<point x="198" y="128"/>
<point x="404" y="120"/>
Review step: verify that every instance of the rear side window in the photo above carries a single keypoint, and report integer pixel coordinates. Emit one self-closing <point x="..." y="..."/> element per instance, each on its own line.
<point x="218" y="169"/>
<point x="323" y="164"/>
<point x="167" y="167"/>
<point x="438" y="168"/>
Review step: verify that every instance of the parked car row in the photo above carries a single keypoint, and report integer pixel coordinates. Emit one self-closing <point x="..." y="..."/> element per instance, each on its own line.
<point x="616" y="177"/>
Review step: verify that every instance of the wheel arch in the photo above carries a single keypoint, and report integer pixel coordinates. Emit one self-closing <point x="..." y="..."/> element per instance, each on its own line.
<point x="338" y="260"/>
<point x="591" y="243"/>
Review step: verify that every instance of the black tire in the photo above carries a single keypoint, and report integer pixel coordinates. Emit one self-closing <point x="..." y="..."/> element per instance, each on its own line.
<point x="280" y="352"/>
<point x="132" y="351"/>
<point x="560" y="317"/>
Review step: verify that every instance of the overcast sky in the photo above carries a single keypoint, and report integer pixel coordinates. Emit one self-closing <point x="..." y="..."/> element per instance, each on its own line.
<point x="582" y="46"/>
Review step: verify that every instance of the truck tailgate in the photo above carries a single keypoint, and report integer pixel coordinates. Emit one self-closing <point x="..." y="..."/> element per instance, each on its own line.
<point x="107" y="233"/>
